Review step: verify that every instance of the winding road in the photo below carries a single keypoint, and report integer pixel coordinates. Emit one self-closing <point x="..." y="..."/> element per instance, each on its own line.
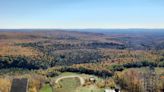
<point x="82" y="81"/>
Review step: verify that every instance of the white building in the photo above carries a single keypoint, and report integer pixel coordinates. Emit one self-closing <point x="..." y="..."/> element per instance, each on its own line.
<point x="110" y="90"/>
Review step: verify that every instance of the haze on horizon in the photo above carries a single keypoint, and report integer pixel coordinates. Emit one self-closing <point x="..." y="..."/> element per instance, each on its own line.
<point x="81" y="14"/>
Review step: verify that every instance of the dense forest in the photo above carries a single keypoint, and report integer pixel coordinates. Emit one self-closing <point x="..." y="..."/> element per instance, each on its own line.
<point x="50" y="52"/>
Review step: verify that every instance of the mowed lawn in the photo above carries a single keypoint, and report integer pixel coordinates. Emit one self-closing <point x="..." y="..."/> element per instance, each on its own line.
<point x="68" y="85"/>
<point x="84" y="89"/>
<point x="46" y="88"/>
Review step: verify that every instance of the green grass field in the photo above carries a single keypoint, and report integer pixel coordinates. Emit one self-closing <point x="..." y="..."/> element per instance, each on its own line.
<point x="81" y="75"/>
<point x="46" y="88"/>
<point x="84" y="89"/>
<point x="73" y="84"/>
<point x="68" y="85"/>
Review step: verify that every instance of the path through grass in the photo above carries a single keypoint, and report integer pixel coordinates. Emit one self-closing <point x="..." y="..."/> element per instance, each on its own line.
<point x="68" y="85"/>
<point x="83" y="89"/>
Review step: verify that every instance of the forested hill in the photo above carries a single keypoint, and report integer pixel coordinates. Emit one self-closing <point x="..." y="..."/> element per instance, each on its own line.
<point x="34" y="49"/>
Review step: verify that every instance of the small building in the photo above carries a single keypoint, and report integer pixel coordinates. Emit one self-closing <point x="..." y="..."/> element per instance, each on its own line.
<point x="112" y="90"/>
<point x="161" y="77"/>
<point x="109" y="90"/>
<point x="19" y="85"/>
<point x="92" y="79"/>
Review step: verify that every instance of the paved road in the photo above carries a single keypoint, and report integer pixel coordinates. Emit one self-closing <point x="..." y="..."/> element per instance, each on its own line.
<point x="82" y="81"/>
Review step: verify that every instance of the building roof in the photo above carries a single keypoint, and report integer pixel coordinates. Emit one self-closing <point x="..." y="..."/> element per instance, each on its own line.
<point x="109" y="90"/>
<point x="19" y="85"/>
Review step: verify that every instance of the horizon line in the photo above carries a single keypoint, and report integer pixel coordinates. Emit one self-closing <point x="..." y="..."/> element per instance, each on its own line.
<point x="70" y="28"/>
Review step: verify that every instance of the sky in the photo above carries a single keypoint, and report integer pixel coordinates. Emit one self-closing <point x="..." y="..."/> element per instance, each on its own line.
<point x="81" y="14"/>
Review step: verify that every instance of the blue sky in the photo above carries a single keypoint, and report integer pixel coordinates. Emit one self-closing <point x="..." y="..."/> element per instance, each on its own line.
<point x="81" y="13"/>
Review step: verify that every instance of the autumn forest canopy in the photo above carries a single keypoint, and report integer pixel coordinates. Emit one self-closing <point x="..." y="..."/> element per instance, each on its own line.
<point x="103" y="53"/>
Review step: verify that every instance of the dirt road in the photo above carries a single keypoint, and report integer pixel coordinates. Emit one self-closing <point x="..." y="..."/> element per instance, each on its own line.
<point x="82" y="81"/>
